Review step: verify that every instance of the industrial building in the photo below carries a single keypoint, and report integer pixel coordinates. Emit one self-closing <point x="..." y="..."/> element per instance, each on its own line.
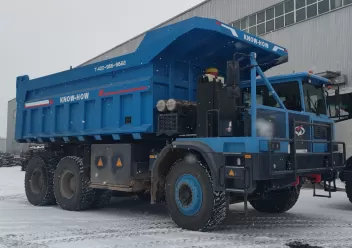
<point x="317" y="34"/>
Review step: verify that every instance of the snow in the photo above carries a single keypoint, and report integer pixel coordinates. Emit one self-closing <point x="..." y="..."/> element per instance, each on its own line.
<point x="128" y="222"/>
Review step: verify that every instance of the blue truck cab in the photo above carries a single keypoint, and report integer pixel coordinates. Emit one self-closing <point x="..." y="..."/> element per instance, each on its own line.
<point x="188" y="118"/>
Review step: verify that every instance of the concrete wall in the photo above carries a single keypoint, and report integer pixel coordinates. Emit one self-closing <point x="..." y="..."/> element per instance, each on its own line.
<point x="11" y="145"/>
<point x="2" y="145"/>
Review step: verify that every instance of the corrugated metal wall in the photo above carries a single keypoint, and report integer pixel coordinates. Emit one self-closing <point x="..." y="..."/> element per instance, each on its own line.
<point x="322" y="43"/>
<point x="223" y="10"/>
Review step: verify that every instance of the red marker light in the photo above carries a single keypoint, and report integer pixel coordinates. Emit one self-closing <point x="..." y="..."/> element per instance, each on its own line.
<point x="218" y="23"/>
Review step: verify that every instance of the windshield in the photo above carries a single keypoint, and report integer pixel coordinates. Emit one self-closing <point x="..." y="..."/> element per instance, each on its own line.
<point x="314" y="98"/>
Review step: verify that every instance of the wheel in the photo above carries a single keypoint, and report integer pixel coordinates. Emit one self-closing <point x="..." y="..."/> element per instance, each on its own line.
<point x="348" y="186"/>
<point x="102" y="198"/>
<point x="39" y="179"/>
<point x="144" y="196"/>
<point x="191" y="200"/>
<point x="71" y="187"/>
<point x="24" y="163"/>
<point x="277" y="201"/>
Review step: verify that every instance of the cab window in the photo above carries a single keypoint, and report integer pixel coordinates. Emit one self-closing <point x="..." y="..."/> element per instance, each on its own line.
<point x="340" y="109"/>
<point x="314" y="98"/>
<point x="288" y="92"/>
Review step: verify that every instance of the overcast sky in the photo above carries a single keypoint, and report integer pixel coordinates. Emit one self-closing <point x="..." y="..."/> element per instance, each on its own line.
<point x="40" y="37"/>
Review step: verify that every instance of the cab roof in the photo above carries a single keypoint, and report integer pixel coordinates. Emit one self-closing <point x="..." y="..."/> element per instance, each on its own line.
<point x="315" y="79"/>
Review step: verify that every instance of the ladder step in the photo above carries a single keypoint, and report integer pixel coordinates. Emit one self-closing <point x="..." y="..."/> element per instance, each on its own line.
<point x="242" y="191"/>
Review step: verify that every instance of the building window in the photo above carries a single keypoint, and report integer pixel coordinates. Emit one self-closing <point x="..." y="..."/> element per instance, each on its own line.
<point x="289" y="6"/>
<point x="279" y="10"/>
<point x="286" y="13"/>
<point x="323" y="7"/>
<point x="335" y="4"/>
<point x="252" y="20"/>
<point x="244" y="23"/>
<point x="300" y="14"/>
<point x="253" y="30"/>
<point x="289" y="19"/>
<point x="270" y="26"/>
<point x="311" y="1"/>
<point x="300" y="4"/>
<point x="270" y="14"/>
<point x="279" y="22"/>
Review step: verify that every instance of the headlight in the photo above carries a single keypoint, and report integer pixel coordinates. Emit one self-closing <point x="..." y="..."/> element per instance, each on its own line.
<point x="171" y="105"/>
<point x="161" y="106"/>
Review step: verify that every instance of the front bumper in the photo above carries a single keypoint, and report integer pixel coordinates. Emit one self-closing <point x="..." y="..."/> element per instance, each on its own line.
<point x="243" y="172"/>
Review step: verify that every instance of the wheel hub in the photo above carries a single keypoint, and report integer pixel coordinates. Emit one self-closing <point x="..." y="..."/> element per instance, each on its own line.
<point x="185" y="195"/>
<point x="67" y="184"/>
<point x="36" y="181"/>
<point x="188" y="195"/>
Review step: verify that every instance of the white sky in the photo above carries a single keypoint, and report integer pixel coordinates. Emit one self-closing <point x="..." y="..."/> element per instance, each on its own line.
<point x="41" y="37"/>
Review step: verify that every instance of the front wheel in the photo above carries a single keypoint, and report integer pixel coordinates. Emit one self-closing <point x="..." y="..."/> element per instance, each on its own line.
<point x="191" y="200"/>
<point x="277" y="201"/>
<point x="348" y="186"/>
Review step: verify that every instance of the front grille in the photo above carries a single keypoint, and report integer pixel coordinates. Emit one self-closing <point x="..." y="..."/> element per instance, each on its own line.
<point x="320" y="132"/>
<point x="168" y="123"/>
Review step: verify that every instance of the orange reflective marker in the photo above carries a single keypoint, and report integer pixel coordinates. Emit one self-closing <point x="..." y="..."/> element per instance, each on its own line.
<point x="100" y="162"/>
<point x="118" y="163"/>
<point x="231" y="173"/>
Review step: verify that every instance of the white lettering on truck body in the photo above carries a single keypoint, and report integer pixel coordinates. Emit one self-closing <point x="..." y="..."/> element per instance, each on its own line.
<point x="73" y="98"/>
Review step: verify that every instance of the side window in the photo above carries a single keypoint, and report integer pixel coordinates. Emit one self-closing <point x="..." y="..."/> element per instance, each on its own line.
<point x="263" y="97"/>
<point x="314" y="98"/>
<point x="289" y="94"/>
<point x="287" y="91"/>
<point x="342" y="110"/>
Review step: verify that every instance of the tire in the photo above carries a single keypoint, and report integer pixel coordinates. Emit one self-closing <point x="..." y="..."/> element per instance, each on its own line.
<point x="348" y="186"/>
<point x="38" y="180"/>
<point x="144" y="196"/>
<point x="71" y="187"/>
<point x="206" y="208"/>
<point x="101" y="199"/>
<point x="277" y="201"/>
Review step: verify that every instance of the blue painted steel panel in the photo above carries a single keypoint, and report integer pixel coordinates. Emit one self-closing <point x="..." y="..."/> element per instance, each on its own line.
<point x="102" y="98"/>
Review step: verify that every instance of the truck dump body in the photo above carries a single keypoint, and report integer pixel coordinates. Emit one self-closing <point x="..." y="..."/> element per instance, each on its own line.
<point x="118" y="96"/>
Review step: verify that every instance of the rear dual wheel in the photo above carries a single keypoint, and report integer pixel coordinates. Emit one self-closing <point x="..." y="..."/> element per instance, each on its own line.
<point x="48" y="181"/>
<point x="39" y="179"/>
<point x="72" y="190"/>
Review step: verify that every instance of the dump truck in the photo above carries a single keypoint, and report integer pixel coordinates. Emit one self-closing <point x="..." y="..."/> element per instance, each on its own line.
<point x="188" y="119"/>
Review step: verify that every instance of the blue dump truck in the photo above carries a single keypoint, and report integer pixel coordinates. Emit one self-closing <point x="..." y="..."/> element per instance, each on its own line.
<point x="189" y="119"/>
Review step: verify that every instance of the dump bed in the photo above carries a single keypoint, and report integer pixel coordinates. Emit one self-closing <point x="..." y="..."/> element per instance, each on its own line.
<point x="117" y="97"/>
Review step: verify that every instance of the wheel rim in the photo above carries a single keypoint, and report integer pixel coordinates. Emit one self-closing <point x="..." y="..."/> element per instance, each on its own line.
<point x="37" y="181"/>
<point x="188" y="194"/>
<point x="67" y="184"/>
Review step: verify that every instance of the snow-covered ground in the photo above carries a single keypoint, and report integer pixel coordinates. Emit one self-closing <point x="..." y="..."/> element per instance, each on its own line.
<point x="318" y="222"/>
